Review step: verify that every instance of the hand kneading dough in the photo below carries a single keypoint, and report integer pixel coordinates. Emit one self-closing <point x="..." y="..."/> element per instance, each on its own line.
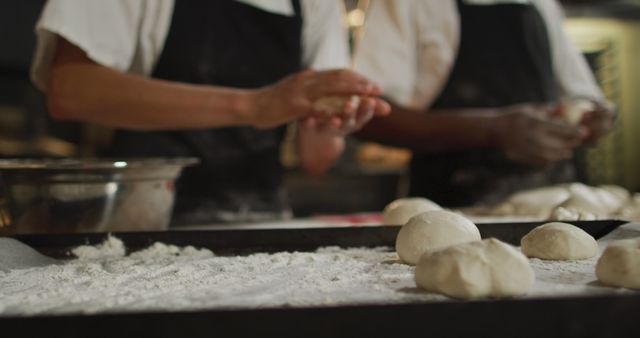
<point x="559" y="241"/>
<point x="433" y="230"/>
<point x="619" y="264"/>
<point x="334" y="104"/>
<point x="399" y="211"/>
<point x="487" y="268"/>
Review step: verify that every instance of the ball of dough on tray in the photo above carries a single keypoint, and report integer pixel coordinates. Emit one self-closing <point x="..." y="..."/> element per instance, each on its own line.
<point x="334" y="104"/>
<point x="433" y="230"/>
<point x="619" y="264"/>
<point x="585" y="203"/>
<point x="615" y="197"/>
<point x="401" y="210"/>
<point x="590" y="199"/>
<point x="631" y="209"/>
<point x="559" y="241"/>
<point x="488" y="268"/>
<point x="571" y="214"/>
<point x="537" y="202"/>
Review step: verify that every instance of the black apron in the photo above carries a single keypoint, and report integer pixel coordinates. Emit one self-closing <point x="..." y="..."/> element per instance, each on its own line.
<point x="231" y="44"/>
<point x="504" y="59"/>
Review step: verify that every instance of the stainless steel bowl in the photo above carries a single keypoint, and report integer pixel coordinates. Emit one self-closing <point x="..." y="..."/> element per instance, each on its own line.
<point x="87" y="195"/>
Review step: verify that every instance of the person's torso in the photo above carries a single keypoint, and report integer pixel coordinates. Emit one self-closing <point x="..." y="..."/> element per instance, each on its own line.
<point x="504" y="59"/>
<point x="231" y="44"/>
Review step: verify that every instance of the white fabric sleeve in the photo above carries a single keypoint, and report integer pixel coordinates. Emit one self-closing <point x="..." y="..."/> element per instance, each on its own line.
<point x="324" y="35"/>
<point x="387" y="50"/>
<point x="438" y="40"/>
<point x="113" y="33"/>
<point x="573" y="75"/>
<point x="408" y="47"/>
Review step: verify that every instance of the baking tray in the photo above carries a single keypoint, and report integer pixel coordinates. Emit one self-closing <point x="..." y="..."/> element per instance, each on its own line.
<point x="593" y="316"/>
<point x="239" y="242"/>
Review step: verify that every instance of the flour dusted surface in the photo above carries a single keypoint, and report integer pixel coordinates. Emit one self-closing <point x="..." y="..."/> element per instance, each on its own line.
<point x="165" y="277"/>
<point x="168" y="278"/>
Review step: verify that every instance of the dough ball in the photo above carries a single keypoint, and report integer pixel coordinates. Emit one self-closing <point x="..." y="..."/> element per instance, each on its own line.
<point x="631" y="210"/>
<point x="618" y="195"/>
<point x="399" y="211"/>
<point x="564" y="214"/>
<point x="574" y="110"/>
<point x="590" y="203"/>
<point x="488" y="268"/>
<point x="583" y="203"/>
<point x="559" y="241"/>
<point x="330" y="105"/>
<point x="584" y="197"/>
<point x="433" y="230"/>
<point x="619" y="264"/>
<point x="537" y="202"/>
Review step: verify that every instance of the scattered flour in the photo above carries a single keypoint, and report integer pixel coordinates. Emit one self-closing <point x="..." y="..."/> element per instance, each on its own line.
<point x="112" y="247"/>
<point x="169" y="278"/>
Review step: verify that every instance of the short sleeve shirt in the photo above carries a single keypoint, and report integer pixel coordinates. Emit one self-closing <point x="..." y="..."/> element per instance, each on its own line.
<point x="129" y="35"/>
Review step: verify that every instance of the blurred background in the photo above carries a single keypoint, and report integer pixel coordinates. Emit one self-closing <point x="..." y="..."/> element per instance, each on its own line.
<point x="369" y="176"/>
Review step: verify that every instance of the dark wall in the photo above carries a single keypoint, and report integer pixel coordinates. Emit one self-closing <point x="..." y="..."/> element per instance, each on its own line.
<point x="23" y="116"/>
<point x="17" y="37"/>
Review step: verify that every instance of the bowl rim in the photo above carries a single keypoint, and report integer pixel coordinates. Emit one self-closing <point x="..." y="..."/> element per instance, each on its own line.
<point x="82" y="163"/>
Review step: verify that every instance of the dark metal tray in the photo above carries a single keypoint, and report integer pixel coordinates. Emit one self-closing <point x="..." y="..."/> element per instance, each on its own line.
<point x="601" y="316"/>
<point x="238" y="242"/>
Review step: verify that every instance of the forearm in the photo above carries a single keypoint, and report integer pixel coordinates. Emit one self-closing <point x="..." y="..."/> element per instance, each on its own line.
<point x="318" y="151"/>
<point x="435" y="130"/>
<point x="79" y="89"/>
<point x="93" y="93"/>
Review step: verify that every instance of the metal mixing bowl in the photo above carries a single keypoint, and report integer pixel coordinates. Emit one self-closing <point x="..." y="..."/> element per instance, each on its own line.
<point x="87" y="195"/>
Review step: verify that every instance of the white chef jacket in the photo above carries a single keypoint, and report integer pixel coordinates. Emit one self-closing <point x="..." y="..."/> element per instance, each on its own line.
<point x="129" y="35"/>
<point x="409" y="47"/>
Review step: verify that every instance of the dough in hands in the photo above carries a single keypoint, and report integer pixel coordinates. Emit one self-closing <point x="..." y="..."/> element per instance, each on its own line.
<point x="330" y="105"/>
<point x="433" y="230"/>
<point x="619" y="264"/>
<point x="401" y="210"/>
<point x="488" y="268"/>
<point x="559" y="241"/>
<point x="574" y="110"/>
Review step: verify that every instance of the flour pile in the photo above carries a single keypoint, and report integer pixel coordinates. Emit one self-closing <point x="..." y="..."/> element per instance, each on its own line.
<point x="166" y="277"/>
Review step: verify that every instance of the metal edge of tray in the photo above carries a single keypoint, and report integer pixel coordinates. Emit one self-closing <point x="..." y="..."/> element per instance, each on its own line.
<point x="238" y="242"/>
<point x="566" y="317"/>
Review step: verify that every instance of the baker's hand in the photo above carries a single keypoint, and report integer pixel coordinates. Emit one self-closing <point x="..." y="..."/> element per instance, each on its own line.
<point x="599" y="121"/>
<point x="352" y="117"/>
<point x="527" y="134"/>
<point x="293" y="97"/>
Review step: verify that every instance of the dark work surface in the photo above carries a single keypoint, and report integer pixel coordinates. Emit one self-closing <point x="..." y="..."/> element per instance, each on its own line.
<point x="601" y="316"/>
<point x="613" y="316"/>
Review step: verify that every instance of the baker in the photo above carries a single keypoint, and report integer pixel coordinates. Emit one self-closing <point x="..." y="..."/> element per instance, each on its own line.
<point x="476" y="86"/>
<point x="216" y="80"/>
